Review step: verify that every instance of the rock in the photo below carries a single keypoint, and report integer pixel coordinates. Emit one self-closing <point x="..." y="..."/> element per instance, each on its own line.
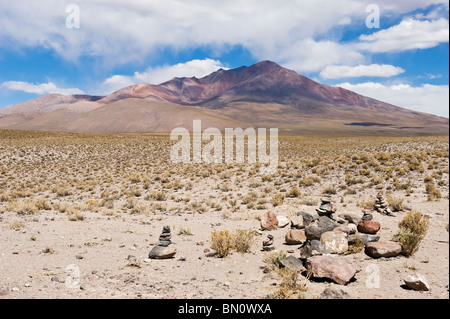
<point x="283" y="221"/>
<point x="269" y="221"/>
<point x="297" y="222"/>
<point x="161" y="252"/>
<point x="292" y="263"/>
<point x="324" y="224"/>
<point x="367" y="217"/>
<point x="353" y="228"/>
<point x="369" y="227"/>
<point x="268" y="243"/>
<point x="343" y="229"/>
<point x="365" y="238"/>
<point x="351" y="217"/>
<point x="312" y="248"/>
<point x="334" y="293"/>
<point x="383" y="249"/>
<point x="308" y="217"/>
<point x="417" y="282"/>
<point x="334" y="242"/>
<point x="295" y="237"/>
<point x="339" y="269"/>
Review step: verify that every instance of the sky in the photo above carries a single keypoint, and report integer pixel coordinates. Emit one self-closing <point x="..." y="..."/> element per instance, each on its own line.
<point x="394" y="51"/>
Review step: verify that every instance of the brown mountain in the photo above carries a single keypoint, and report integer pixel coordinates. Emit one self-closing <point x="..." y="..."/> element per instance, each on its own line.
<point x="262" y="95"/>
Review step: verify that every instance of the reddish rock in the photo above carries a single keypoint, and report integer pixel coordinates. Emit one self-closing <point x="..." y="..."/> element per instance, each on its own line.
<point x="380" y="249"/>
<point x="269" y="221"/>
<point x="295" y="237"/>
<point x="339" y="269"/>
<point x="369" y="227"/>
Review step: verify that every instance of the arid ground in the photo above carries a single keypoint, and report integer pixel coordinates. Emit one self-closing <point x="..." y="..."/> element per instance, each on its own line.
<point x="97" y="204"/>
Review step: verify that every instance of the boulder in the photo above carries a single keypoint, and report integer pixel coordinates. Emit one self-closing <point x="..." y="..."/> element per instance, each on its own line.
<point x="324" y="224"/>
<point x="383" y="249"/>
<point x="339" y="269"/>
<point x="297" y="222"/>
<point x="293" y="263"/>
<point x="308" y="217"/>
<point x="369" y="227"/>
<point x="161" y="252"/>
<point x="283" y="221"/>
<point x="417" y="282"/>
<point x="334" y="242"/>
<point x="312" y="248"/>
<point x="269" y="221"/>
<point x="295" y="237"/>
<point x="351" y="217"/>
<point x="343" y="229"/>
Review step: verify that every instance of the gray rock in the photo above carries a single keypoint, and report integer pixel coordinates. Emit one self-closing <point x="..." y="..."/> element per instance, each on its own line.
<point x="323" y="225"/>
<point x="417" y="282"/>
<point x="351" y="217"/>
<point x="308" y="217"/>
<point x="365" y="238"/>
<point x="293" y="263"/>
<point x="160" y="252"/>
<point x="334" y="293"/>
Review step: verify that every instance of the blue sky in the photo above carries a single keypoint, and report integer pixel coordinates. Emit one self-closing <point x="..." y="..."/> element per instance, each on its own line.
<point x="120" y="43"/>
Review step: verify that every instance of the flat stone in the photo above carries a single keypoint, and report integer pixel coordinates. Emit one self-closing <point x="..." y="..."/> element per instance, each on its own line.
<point x="283" y="221"/>
<point x="339" y="269"/>
<point x="160" y="252"/>
<point x="351" y="217"/>
<point x="269" y="221"/>
<point x="293" y="263"/>
<point x="365" y="238"/>
<point x="297" y="222"/>
<point x="383" y="249"/>
<point x="417" y="282"/>
<point x="369" y="227"/>
<point x="334" y="242"/>
<point x="295" y="237"/>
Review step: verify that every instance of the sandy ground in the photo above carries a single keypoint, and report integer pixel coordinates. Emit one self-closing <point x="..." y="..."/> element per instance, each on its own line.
<point x="100" y="246"/>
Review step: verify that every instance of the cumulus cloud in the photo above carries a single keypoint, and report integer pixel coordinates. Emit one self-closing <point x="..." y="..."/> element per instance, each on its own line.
<point x="373" y="70"/>
<point x="427" y="98"/>
<point x="409" y="34"/>
<point x="41" y="88"/>
<point x="157" y="75"/>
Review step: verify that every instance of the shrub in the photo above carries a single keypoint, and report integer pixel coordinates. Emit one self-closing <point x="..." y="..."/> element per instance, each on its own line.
<point x="396" y="203"/>
<point x="329" y="190"/>
<point x="222" y="242"/>
<point x="412" y="229"/>
<point x="244" y="240"/>
<point x="294" y="192"/>
<point x="277" y="200"/>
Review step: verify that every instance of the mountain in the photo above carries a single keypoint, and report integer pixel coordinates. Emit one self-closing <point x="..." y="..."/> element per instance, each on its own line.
<point x="262" y="95"/>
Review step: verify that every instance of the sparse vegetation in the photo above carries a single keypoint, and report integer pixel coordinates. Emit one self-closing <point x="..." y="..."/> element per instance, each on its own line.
<point x="412" y="230"/>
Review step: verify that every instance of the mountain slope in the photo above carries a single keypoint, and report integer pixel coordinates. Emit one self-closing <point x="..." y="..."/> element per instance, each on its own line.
<point x="261" y="95"/>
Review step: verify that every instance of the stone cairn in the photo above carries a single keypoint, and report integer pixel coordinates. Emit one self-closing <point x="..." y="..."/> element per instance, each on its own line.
<point x="268" y="243"/>
<point x="162" y="250"/>
<point x="326" y="207"/>
<point x="382" y="206"/>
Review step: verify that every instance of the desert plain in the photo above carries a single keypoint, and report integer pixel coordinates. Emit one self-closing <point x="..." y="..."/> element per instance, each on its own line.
<point x="79" y="214"/>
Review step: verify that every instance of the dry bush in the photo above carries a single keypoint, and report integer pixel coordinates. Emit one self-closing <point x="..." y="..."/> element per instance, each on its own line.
<point x="329" y="190"/>
<point x="396" y="203"/>
<point x="277" y="200"/>
<point x="294" y="192"/>
<point x="243" y="240"/>
<point x="412" y="229"/>
<point x="222" y="242"/>
<point x="433" y="193"/>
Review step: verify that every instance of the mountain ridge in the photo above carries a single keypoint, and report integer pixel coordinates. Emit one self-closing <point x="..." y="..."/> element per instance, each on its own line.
<point x="249" y="95"/>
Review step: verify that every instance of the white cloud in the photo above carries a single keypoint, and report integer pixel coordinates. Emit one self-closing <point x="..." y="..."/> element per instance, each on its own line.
<point x="374" y="70"/>
<point x="433" y="99"/>
<point x="409" y="34"/>
<point x="158" y="75"/>
<point x="41" y="89"/>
